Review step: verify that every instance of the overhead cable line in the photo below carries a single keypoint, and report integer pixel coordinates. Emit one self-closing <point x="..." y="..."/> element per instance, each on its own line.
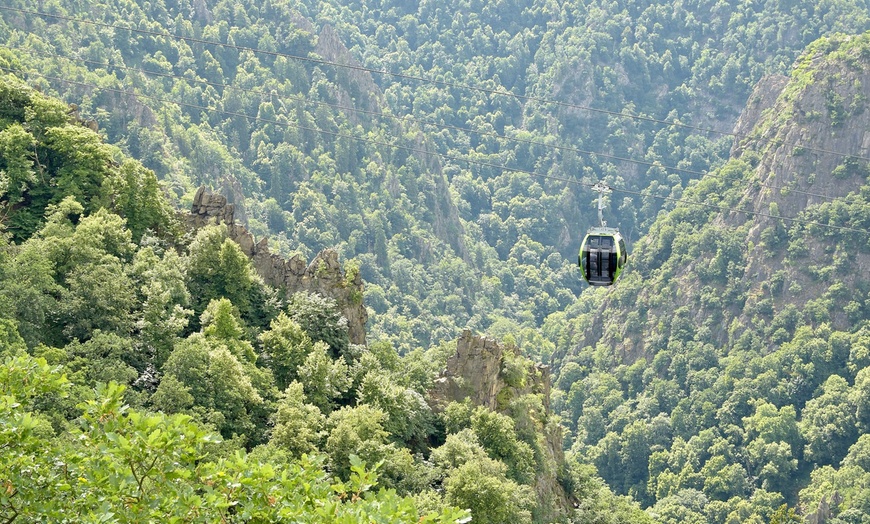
<point x="303" y="99"/>
<point x="447" y="156"/>
<point x="434" y="81"/>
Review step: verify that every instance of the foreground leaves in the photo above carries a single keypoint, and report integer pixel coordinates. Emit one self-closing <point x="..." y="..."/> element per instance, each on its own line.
<point x="123" y="465"/>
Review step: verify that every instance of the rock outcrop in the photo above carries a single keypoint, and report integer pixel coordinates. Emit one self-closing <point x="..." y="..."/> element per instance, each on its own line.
<point x="367" y="95"/>
<point x="762" y="99"/>
<point x="323" y="275"/>
<point x="477" y="372"/>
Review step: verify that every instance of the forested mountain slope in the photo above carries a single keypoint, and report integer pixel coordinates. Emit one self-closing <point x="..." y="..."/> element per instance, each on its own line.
<point x="728" y="372"/>
<point x="148" y="372"/>
<point x="445" y="237"/>
<point x="126" y="350"/>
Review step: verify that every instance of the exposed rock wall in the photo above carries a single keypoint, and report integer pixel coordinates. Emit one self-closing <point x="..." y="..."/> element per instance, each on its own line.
<point x="323" y="275"/>
<point x="823" y="513"/>
<point x="817" y="118"/>
<point x="366" y="94"/>
<point x="475" y="372"/>
<point x="762" y="99"/>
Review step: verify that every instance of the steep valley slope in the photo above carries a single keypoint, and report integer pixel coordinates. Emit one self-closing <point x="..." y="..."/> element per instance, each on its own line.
<point x="727" y="371"/>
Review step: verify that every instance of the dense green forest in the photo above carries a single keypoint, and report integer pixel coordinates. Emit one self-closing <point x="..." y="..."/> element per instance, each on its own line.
<point x="97" y="305"/>
<point x="720" y="381"/>
<point x="148" y="373"/>
<point x="443" y="243"/>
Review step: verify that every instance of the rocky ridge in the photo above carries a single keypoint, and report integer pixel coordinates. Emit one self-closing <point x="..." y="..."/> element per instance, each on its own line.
<point x="323" y="275"/>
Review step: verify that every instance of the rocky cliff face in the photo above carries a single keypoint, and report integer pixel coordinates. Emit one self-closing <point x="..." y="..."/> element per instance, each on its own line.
<point x="323" y="275"/>
<point x="817" y="120"/>
<point x="477" y="372"/>
<point x="365" y="94"/>
<point x="763" y="97"/>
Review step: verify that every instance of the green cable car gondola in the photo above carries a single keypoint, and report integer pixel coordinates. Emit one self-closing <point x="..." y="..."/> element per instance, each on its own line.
<point x="602" y="256"/>
<point x="603" y="253"/>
